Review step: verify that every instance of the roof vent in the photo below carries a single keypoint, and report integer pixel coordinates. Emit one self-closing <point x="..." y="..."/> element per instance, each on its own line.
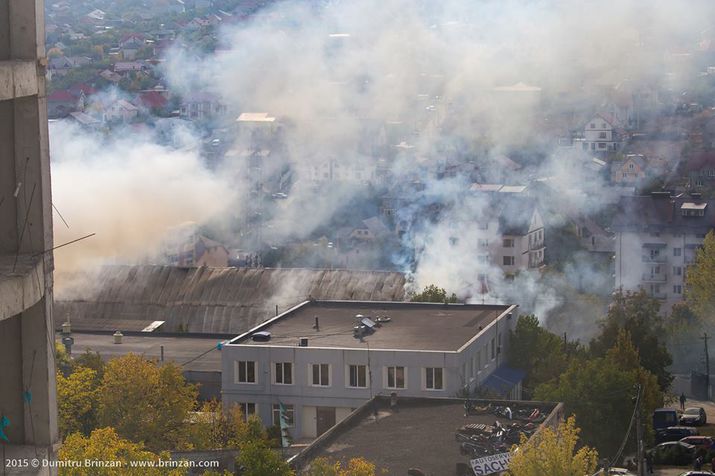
<point x="303" y="342"/>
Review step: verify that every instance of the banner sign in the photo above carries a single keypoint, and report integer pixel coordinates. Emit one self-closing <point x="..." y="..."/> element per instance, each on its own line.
<point x="491" y="464"/>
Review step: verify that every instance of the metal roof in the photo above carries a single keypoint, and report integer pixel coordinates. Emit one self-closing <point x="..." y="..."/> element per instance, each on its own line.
<point x="213" y="300"/>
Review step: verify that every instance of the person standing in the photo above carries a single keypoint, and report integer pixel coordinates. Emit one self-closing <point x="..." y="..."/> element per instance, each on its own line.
<point x="682" y="401"/>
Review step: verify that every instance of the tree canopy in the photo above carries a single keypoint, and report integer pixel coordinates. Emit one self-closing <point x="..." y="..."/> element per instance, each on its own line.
<point x="432" y="293"/>
<point x="77" y="401"/>
<point x="638" y="314"/>
<point x="600" y="391"/>
<point x="553" y="453"/>
<point x="105" y="445"/>
<point x="700" y="285"/>
<point x="145" y="402"/>
<point x="355" y="467"/>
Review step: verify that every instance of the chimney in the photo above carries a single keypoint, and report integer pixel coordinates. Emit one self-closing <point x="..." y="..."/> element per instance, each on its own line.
<point x="118" y="337"/>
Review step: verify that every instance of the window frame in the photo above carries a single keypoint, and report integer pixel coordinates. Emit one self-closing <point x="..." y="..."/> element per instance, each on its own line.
<point x="348" y="376"/>
<point x="387" y="377"/>
<point x="237" y="372"/>
<point x="311" y="375"/>
<point x="425" y="376"/>
<point x="283" y="373"/>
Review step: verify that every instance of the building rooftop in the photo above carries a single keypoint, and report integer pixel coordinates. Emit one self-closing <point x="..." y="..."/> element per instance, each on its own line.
<point x="207" y="300"/>
<point x="661" y="212"/>
<point x="412" y="326"/>
<point x="181" y="350"/>
<point x="416" y="433"/>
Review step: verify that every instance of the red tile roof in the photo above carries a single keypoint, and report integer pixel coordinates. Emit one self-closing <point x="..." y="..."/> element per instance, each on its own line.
<point x="61" y="95"/>
<point x="153" y="100"/>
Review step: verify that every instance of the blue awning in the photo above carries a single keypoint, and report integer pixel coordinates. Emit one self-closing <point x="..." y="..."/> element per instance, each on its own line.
<point x="503" y="379"/>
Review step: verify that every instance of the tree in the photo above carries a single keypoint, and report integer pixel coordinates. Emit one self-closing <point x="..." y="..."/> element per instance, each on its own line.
<point x="90" y="360"/>
<point x="638" y="314"/>
<point x="355" y="467"/>
<point x="432" y="293"/>
<point x="106" y="446"/>
<point x="77" y="401"/>
<point x="553" y="453"/>
<point x="258" y="459"/>
<point x="542" y="354"/>
<point x="700" y="285"/>
<point x="600" y="391"/>
<point x="146" y="402"/>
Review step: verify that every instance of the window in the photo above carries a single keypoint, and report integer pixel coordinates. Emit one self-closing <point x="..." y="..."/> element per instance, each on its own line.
<point x="508" y="243"/>
<point x="476" y="364"/>
<point x="630" y="166"/>
<point x="508" y="261"/>
<point x="601" y="135"/>
<point x="483" y="243"/>
<point x="483" y="259"/>
<point x="395" y="377"/>
<point x="321" y="375"/>
<point x="677" y="251"/>
<point x="677" y="289"/>
<point x="494" y="349"/>
<point x="289" y="413"/>
<point x="247" y="409"/>
<point x="677" y="270"/>
<point x="601" y="145"/>
<point x="283" y="373"/>
<point x="433" y="378"/>
<point x="593" y="125"/>
<point x="484" y="225"/>
<point x="357" y="376"/>
<point x="245" y="371"/>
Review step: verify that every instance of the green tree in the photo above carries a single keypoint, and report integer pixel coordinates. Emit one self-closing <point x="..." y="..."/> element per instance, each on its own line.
<point x="432" y="293"/>
<point x="146" y="402"/>
<point x="700" y="285"/>
<point x="105" y="445"/>
<point x="258" y="459"/>
<point x="600" y="391"/>
<point x="554" y="453"/>
<point x="542" y="354"/>
<point x="90" y="360"/>
<point x="77" y="401"/>
<point x="638" y="314"/>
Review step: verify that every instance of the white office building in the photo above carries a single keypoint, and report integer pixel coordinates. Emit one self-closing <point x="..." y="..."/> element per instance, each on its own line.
<point x="323" y="359"/>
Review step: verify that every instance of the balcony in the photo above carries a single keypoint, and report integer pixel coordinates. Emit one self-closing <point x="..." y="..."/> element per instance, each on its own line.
<point x="654" y="277"/>
<point x="536" y="245"/>
<point x="654" y="259"/>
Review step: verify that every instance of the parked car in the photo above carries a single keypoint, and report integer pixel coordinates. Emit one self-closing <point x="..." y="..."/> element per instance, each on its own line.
<point x="700" y="442"/>
<point x="698" y="473"/>
<point x="694" y="416"/>
<point x="674" y="433"/>
<point x="674" y="453"/>
<point x="664" y="417"/>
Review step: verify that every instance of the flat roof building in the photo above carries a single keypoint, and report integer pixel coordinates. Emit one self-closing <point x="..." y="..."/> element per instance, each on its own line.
<point x="323" y="359"/>
<point x="422" y="433"/>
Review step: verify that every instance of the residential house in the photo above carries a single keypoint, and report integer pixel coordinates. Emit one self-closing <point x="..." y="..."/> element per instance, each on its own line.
<point x="354" y="169"/>
<point x="199" y="251"/>
<point x="110" y="76"/>
<point x="120" y="110"/>
<point x="86" y="121"/>
<point x="60" y="103"/>
<point x="601" y="134"/>
<point x="155" y="100"/>
<point x="201" y="107"/>
<point x="700" y="171"/>
<point x="323" y="359"/>
<point x="657" y="237"/>
<point x="123" y="68"/>
<point x="629" y="171"/>
<point x="130" y="44"/>
<point x="59" y="65"/>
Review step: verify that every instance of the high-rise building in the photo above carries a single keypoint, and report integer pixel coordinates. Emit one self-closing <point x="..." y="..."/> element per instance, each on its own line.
<point x="28" y="422"/>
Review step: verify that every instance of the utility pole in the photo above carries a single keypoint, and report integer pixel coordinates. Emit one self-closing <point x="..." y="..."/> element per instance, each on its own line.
<point x="705" y="339"/>
<point x="639" y="432"/>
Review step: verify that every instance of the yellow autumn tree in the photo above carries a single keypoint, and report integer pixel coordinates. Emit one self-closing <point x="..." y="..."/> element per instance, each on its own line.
<point x="77" y="401"/>
<point x="355" y="467"/>
<point x="104" y="445"/>
<point x="146" y="402"/>
<point x="553" y="453"/>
